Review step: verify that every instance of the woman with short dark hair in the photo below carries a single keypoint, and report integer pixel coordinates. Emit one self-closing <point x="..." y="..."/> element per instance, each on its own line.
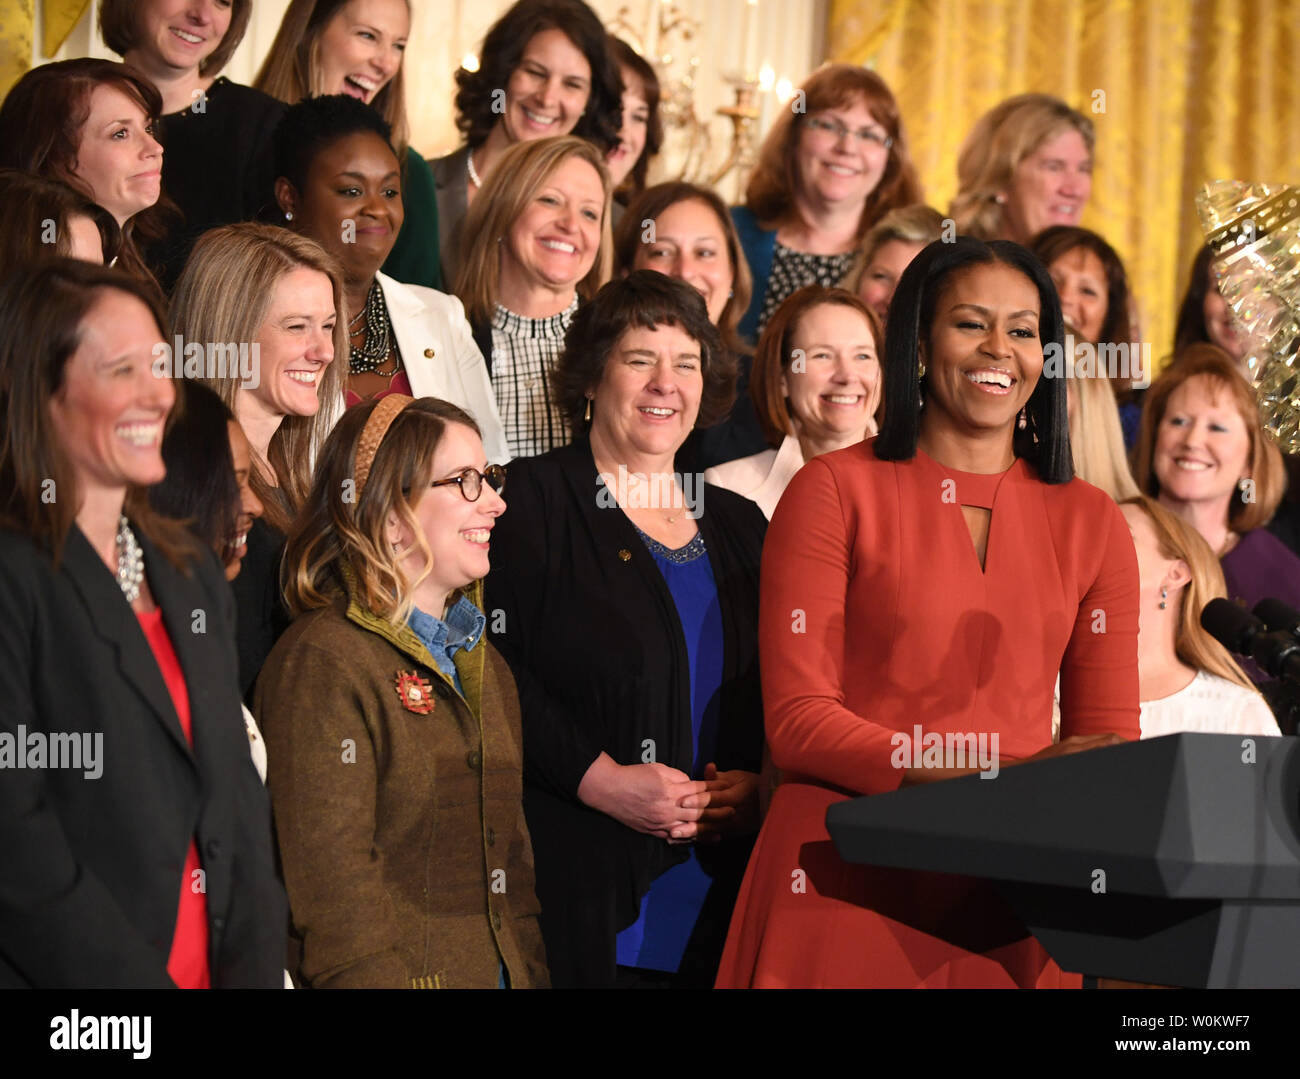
<point x="642" y="131"/>
<point x="941" y="575"/>
<point x="649" y="736"/>
<point x="544" y="70"/>
<point x="145" y="859"/>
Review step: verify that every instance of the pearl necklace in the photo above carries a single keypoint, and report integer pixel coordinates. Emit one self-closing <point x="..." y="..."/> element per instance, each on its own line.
<point x="130" y="561"/>
<point x="473" y="172"/>
<point x="374" y="353"/>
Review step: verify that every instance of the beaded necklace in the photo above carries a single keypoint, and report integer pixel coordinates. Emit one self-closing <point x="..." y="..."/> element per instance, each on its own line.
<point x="372" y="355"/>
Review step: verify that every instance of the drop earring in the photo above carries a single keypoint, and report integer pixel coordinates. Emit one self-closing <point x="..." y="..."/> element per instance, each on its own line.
<point x="1023" y="422"/>
<point x="1164" y="598"/>
<point x="586" y="416"/>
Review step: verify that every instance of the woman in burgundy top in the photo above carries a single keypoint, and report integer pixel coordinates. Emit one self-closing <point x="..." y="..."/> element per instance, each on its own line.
<point x="134" y="832"/>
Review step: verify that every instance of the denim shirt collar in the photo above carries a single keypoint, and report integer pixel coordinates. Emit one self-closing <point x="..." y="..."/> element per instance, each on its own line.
<point x="462" y="628"/>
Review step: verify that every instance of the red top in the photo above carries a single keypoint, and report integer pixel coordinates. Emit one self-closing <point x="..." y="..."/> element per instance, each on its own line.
<point x="188" y="962"/>
<point x="875" y="616"/>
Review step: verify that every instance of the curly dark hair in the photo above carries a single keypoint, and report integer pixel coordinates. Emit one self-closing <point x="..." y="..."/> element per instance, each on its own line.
<point x="315" y="123"/>
<point x="503" y="47"/>
<point x="643" y="299"/>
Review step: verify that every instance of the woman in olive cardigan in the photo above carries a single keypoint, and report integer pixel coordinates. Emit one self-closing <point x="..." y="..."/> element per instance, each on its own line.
<point x="595" y="637"/>
<point x="391" y="724"/>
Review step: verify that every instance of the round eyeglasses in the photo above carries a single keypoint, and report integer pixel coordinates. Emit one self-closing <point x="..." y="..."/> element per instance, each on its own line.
<point x="471" y="480"/>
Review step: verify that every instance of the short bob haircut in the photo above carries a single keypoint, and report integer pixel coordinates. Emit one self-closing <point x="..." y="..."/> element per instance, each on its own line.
<point x="1001" y="139"/>
<point x="337" y="535"/>
<point x="200" y="489"/>
<point x="510" y="188"/>
<point x="654" y="201"/>
<point x="1266" y="466"/>
<point x="1190" y="328"/>
<point x="30" y="202"/>
<point x="502" y="50"/>
<point x="775" y="350"/>
<point x="1060" y="240"/>
<point x="119" y="26"/>
<point x="770" y="192"/>
<point x="1045" y="442"/>
<point x="919" y="224"/>
<point x="41" y="121"/>
<point x="223" y="295"/>
<point x="291" y="70"/>
<point x="43" y="312"/>
<point x="632" y="62"/>
<point x="644" y="299"/>
<point x="316" y="123"/>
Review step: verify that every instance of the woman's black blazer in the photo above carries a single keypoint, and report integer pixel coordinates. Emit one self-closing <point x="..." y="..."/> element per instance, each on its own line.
<point x="590" y="629"/>
<point x="92" y="867"/>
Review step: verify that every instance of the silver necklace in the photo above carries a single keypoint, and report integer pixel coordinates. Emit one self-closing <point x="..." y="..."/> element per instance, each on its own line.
<point x="130" y="562"/>
<point x="473" y="172"/>
<point x="378" y="344"/>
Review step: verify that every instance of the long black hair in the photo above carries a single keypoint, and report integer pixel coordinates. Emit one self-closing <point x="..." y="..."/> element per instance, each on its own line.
<point x="1045" y="442"/>
<point x="199" y="489"/>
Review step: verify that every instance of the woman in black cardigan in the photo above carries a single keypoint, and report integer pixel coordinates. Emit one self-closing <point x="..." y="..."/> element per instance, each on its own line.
<point x="625" y="599"/>
<point x="135" y="835"/>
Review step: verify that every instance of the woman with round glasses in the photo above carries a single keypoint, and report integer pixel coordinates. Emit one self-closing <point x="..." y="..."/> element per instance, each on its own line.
<point x="392" y="725"/>
<point x="825" y="175"/>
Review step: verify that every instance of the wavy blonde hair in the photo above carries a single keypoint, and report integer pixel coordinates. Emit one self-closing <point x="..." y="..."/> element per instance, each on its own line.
<point x="1001" y="139"/>
<point x="338" y="535"/>
<point x="224" y="295"/>
<point x="1097" y="439"/>
<point x="919" y="224"/>
<point x="1177" y="540"/>
<point x="514" y="182"/>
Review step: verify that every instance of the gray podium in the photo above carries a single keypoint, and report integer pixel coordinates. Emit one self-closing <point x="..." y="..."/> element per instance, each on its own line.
<point x="1173" y="861"/>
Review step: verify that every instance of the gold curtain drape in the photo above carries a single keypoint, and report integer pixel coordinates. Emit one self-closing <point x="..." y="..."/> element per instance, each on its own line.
<point x="1180" y="92"/>
<point x="17" y="32"/>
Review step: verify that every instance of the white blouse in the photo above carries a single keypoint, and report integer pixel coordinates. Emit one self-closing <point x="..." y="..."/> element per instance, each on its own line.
<point x="1208" y="704"/>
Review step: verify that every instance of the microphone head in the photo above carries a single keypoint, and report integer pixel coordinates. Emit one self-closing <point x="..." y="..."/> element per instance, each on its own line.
<point x="1277" y="615"/>
<point x="1232" y="626"/>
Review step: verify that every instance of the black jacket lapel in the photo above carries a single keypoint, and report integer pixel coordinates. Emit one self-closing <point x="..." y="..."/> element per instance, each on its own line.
<point x="111" y="618"/>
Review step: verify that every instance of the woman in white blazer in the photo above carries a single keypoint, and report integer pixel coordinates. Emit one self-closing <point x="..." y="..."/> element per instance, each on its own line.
<point x="816" y="386"/>
<point x="339" y="182"/>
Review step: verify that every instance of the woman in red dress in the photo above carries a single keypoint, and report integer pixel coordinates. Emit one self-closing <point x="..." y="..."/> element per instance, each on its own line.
<point x="889" y="599"/>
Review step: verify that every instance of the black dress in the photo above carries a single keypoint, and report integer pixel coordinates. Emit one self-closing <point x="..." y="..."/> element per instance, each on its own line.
<point x="260" y="614"/>
<point x="581" y="613"/>
<point x="217" y="166"/>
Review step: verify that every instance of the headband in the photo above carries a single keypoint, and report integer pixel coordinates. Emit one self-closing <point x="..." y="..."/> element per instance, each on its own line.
<point x="372" y="434"/>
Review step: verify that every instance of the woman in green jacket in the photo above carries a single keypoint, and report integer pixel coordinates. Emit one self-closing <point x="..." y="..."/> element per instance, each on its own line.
<point x="392" y="725"/>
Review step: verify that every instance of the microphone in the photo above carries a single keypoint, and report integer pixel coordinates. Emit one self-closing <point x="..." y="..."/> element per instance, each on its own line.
<point x="1239" y="631"/>
<point x="1278" y="616"/>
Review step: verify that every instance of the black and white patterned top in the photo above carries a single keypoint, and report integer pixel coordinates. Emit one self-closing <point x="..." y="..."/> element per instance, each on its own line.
<point x="792" y="269"/>
<point x="524" y="351"/>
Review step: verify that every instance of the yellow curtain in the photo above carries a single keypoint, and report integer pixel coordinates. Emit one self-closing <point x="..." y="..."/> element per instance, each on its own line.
<point x="17" y="29"/>
<point x="1180" y="92"/>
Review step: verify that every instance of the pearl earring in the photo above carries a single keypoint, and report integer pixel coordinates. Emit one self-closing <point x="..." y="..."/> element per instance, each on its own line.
<point x="288" y="216"/>
<point x="1164" y="596"/>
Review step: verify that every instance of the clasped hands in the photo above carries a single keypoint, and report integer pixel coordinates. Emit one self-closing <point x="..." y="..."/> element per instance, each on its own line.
<point x="665" y="802"/>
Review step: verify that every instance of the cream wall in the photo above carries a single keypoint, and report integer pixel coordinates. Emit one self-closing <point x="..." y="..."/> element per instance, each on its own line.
<point x="787" y="34"/>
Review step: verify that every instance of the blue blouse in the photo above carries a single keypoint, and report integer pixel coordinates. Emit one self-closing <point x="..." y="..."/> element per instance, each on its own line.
<point x="463" y="628"/>
<point x="669" y="910"/>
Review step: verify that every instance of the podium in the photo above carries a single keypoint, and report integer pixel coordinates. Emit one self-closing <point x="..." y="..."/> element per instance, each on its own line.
<point x="1174" y="861"/>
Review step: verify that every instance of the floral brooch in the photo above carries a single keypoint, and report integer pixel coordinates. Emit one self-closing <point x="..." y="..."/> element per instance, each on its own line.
<point x="415" y="693"/>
